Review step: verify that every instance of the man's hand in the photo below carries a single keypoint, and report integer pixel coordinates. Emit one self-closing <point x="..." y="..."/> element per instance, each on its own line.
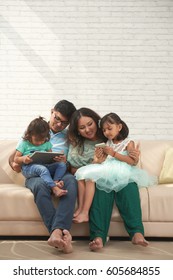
<point x="135" y="153"/>
<point x="61" y="158"/>
<point x="16" y="167"/>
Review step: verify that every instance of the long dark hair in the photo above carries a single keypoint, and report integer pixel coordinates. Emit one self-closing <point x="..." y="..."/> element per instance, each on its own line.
<point x="37" y="127"/>
<point x="114" y="118"/>
<point x="73" y="135"/>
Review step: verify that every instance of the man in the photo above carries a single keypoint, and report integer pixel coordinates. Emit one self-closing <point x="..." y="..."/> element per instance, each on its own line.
<point x="57" y="220"/>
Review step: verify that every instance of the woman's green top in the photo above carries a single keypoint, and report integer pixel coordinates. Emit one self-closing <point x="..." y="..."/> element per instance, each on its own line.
<point x="79" y="157"/>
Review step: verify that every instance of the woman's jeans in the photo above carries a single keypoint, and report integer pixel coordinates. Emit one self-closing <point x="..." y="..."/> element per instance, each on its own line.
<point x="48" y="172"/>
<point x="60" y="217"/>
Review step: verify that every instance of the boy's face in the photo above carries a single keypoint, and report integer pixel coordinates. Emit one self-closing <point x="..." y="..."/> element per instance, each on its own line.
<point x="57" y="121"/>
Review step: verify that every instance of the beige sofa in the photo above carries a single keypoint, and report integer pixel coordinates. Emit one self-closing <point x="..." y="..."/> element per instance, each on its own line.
<point x="19" y="215"/>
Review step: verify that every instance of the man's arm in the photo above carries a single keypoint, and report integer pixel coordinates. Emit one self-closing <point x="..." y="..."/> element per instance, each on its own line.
<point x="15" y="166"/>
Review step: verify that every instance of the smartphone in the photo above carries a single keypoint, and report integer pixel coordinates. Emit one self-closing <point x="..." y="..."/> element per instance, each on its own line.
<point x="100" y="145"/>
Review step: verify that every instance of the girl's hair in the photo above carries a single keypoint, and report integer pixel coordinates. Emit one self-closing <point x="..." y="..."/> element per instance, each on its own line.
<point x="39" y="128"/>
<point x="73" y="135"/>
<point x="113" y="118"/>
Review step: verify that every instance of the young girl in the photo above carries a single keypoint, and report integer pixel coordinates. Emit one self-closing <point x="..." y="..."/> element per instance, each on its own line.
<point x="115" y="172"/>
<point x="36" y="138"/>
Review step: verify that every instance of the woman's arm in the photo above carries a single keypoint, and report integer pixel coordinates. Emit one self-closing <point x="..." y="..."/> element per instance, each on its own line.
<point x="125" y="158"/>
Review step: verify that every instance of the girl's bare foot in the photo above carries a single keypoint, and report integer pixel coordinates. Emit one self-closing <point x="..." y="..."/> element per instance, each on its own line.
<point x="96" y="244"/>
<point x="81" y="218"/>
<point x="58" y="192"/>
<point x="59" y="184"/>
<point x="138" y="239"/>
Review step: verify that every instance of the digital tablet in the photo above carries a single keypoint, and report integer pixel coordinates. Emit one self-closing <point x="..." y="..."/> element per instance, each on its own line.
<point x="44" y="157"/>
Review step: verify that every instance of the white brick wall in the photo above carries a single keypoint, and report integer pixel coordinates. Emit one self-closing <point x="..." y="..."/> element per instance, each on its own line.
<point x="109" y="55"/>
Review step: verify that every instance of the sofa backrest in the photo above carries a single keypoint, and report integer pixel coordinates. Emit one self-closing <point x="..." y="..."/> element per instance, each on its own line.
<point x="151" y="158"/>
<point x="7" y="175"/>
<point x="153" y="154"/>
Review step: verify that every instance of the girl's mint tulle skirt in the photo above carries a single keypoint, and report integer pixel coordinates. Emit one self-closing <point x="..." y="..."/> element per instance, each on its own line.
<point x="114" y="175"/>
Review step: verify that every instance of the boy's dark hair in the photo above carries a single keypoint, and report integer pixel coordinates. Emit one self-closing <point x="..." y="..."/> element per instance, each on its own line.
<point x="66" y="108"/>
<point x="114" y="118"/>
<point x="37" y="127"/>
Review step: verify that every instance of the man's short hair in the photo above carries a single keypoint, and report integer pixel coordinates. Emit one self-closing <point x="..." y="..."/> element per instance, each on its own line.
<point x="66" y="108"/>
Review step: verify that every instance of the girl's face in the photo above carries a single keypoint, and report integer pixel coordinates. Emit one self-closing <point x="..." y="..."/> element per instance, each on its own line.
<point x="37" y="141"/>
<point x="111" y="130"/>
<point x="87" y="128"/>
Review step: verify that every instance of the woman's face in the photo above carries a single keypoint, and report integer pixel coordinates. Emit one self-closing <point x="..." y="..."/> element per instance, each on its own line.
<point x="87" y="128"/>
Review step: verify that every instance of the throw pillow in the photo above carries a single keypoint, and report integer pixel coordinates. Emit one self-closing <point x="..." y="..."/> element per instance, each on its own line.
<point x="166" y="175"/>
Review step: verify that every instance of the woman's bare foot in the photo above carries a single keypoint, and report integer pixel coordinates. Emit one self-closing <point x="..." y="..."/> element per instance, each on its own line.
<point x="138" y="239"/>
<point x="96" y="244"/>
<point x="61" y="240"/>
<point x="58" y="192"/>
<point x="77" y="212"/>
<point x="81" y="218"/>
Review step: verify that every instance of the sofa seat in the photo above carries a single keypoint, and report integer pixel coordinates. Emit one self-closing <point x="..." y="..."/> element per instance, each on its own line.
<point x="19" y="215"/>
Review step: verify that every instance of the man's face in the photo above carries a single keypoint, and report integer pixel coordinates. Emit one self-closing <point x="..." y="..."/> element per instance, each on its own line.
<point x="57" y="121"/>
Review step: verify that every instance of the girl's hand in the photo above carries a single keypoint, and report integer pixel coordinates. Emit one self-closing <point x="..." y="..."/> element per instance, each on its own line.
<point x="26" y="159"/>
<point x="109" y="151"/>
<point x="99" y="155"/>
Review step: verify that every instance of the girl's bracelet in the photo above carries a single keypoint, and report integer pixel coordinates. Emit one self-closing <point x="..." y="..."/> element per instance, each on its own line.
<point x="114" y="154"/>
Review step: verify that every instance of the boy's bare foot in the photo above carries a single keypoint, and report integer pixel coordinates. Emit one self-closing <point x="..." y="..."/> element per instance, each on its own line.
<point x="96" y="244"/>
<point x="61" y="240"/>
<point x="81" y="218"/>
<point x="138" y="239"/>
<point x="58" y="192"/>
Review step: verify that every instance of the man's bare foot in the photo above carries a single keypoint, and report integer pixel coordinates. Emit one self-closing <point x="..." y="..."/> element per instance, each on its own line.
<point x="61" y="240"/>
<point x="67" y="238"/>
<point x="58" y="192"/>
<point x="96" y="244"/>
<point x="56" y="239"/>
<point x="81" y="218"/>
<point x="138" y="239"/>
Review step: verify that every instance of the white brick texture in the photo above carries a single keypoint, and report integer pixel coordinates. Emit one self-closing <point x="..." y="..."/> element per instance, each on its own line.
<point x="109" y="55"/>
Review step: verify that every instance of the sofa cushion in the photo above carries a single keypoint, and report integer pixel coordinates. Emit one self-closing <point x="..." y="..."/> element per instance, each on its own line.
<point x="160" y="204"/>
<point x="17" y="203"/>
<point x="166" y="175"/>
<point x="5" y="179"/>
<point x="153" y="154"/>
